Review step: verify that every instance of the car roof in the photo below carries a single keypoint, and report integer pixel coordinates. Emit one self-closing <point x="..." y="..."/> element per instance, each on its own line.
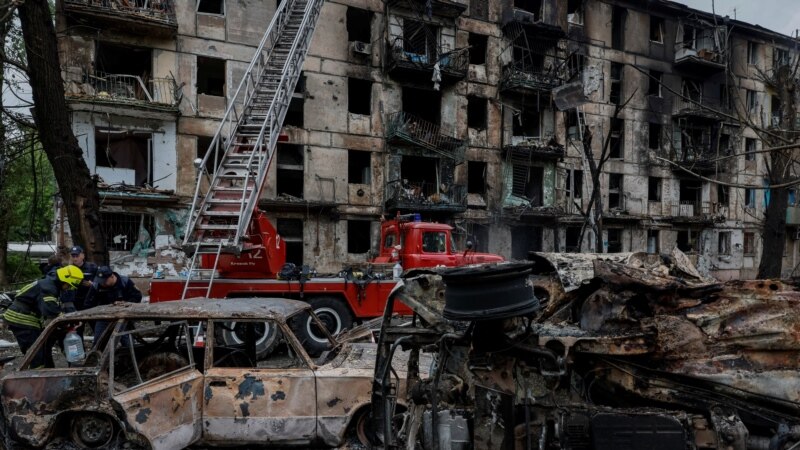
<point x="198" y="308"/>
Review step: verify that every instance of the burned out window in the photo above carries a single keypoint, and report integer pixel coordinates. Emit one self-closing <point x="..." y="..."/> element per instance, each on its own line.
<point x="687" y="241"/>
<point x="295" y="116"/>
<point x="423" y="104"/>
<point x="573" y="183"/>
<point x="614" y="240"/>
<point x="616" y="139"/>
<point x="291" y="231"/>
<point x="532" y="6"/>
<point x="653" y="241"/>
<point x="123" y="157"/>
<point x="359" y="96"/>
<point x="692" y="90"/>
<point x="654" y="136"/>
<point x="527" y="183"/>
<point x="724" y="243"/>
<point x="615" y="95"/>
<point x="202" y="147"/>
<point x="749" y="243"/>
<point x="124" y="230"/>
<point x="210" y="76"/>
<point x="749" y="198"/>
<point x="477" y="48"/>
<point x="657" y="29"/>
<point x="618" y="15"/>
<point x="654" y="189"/>
<point x="654" y="86"/>
<point x="524" y="240"/>
<point x="434" y="242"/>
<point x="723" y="195"/>
<point x="751" y="101"/>
<point x="359" y="25"/>
<point x="575" y="12"/>
<point x="527" y="123"/>
<point x="211" y="7"/>
<point x="780" y="57"/>
<point x="476" y="177"/>
<point x="572" y="240"/>
<point x="476" y="112"/>
<point x="290" y="169"/>
<point x="359" y="167"/>
<point x="750" y="149"/>
<point x="421" y="41"/>
<point x="359" y="236"/>
<point x="615" y="191"/>
<point x="752" y="52"/>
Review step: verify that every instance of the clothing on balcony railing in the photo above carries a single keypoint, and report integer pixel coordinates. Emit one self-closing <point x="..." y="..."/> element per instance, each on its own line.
<point x="126" y="88"/>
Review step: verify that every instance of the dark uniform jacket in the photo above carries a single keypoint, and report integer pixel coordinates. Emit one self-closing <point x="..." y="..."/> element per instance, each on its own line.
<point x="123" y="290"/>
<point x="35" y="303"/>
<point x="78" y="296"/>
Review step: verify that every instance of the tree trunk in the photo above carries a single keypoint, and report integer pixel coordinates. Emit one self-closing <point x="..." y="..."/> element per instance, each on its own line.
<point x="77" y="188"/>
<point x="595" y="212"/>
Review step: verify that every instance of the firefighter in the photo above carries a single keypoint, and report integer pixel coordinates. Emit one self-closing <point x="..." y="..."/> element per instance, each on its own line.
<point x="110" y="287"/>
<point x="38" y="303"/>
<point x="89" y="269"/>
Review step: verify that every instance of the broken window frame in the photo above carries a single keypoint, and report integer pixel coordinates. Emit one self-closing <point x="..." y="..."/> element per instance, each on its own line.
<point x="532" y="188"/>
<point x="359" y="96"/>
<point x="358" y="242"/>
<point x="572" y="242"/>
<point x="724" y="243"/>
<point x="357" y="31"/>
<point x="575" y="10"/>
<point x="222" y="8"/>
<point x="749" y="243"/>
<point x="614" y="240"/>
<point x="780" y="57"/>
<point x="481" y="183"/>
<point x="655" y="79"/>
<point x="749" y="198"/>
<point x="478" y="46"/>
<point x="658" y="35"/>
<point x="295" y="169"/>
<point x="113" y="222"/>
<point x="654" y="186"/>
<point x="204" y="85"/>
<point x="616" y="145"/>
<point x="618" y="19"/>
<point x="751" y="101"/>
<point x="291" y="232"/>
<point x="573" y="184"/>
<point x="654" y="135"/>
<point x="615" y="77"/>
<point x="723" y="196"/>
<point x="364" y="167"/>
<point x="656" y="235"/>
<point x="692" y="90"/>
<point x="616" y="189"/>
<point x="750" y="147"/>
<point x="477" y="112"/>
<point x="752" y="53"/>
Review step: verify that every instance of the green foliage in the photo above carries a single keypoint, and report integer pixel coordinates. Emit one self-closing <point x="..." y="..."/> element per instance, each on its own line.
<point x="22" y="269"/>
<point x="29" y="189"/>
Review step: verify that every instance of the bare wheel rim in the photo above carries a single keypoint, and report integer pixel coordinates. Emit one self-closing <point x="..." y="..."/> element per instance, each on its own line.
<point x="330" y="319"/>
<point x="92" y="431"/>
<point x="238" y="333"/>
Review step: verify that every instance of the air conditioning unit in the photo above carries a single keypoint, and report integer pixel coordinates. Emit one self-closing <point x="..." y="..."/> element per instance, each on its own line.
<point x="361" y="48"/>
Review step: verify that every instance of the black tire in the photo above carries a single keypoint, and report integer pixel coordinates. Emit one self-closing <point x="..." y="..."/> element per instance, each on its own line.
<point x="234" y="334"/>
<point x="92" y="430"/>
<point x="334" y="314"/>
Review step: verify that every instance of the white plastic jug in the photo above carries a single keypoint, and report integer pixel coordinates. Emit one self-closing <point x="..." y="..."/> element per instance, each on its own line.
<point x="73" y="347"/>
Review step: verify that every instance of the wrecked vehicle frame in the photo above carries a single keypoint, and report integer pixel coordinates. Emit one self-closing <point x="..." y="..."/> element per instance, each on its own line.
<point x="641" y="354"/>
<point x="162" y="377"/>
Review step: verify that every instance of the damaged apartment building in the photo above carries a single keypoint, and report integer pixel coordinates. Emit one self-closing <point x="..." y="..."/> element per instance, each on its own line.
<point x="469" y="112"/>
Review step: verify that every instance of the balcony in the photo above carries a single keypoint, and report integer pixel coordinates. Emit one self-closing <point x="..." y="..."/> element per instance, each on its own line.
<point x="698" y="51"/>
<point x="425" y="197"/>
<point x="406" y="129"/>
<point x="412" y="61"/>
<point x="145" y="17"/>
<point x="534" y="148"/>
<point x="122" y="89"/>
<point x="702" y="108"/>
<point x="440" y="8"/>
<point x="690" y="211"/>
<point x="539" y="16"/>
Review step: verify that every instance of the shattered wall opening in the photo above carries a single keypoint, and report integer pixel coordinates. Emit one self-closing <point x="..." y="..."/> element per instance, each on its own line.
<point x="210" y="76"/>
<point x="572" y="236"/>
<point x="656" y="29"/>
<point x="216" y="7"/>
<point x="202" y="147"/>
<point x="654" y="132"/>
<point x="127" y="153"/>
<point x="419" y="171"/>
<point x="687" y="240"/>
<point x="476" y="112"/>
<point x="359" y="167"/>
<point x="290" y="170"/>
<point x="476" y="177"/>
<point x="614" y="240"/>
<point x="525" y="239"/>
<point x="615" y="191"/>
<point x="527" y="125"/>
<point x="359" y="237"/>
<point x="120" y="59"/>
<point x="359" y="96"/>
<point x="653" y="189"/>
<point x="359" y="25"/>
<point x="122" y="229"/>
<point x="477" y="51"/>
<point x="295" y="115"/>
<point x="291" y="231"/>
<point x="423" y="103"/>
<point x="532" y="6"/>
<point x="618" y="17"/>
<point x="690" y="192"/>
<point x="527" y="183"/>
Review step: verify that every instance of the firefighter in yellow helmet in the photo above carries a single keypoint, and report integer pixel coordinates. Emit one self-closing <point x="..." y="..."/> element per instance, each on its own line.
<point x="38" y="303"/>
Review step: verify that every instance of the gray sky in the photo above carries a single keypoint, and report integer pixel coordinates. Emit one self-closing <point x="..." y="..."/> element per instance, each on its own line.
<point x="782" y="16"/>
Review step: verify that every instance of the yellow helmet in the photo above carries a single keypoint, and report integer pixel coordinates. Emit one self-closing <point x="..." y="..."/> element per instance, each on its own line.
<point x="71" y="275"/>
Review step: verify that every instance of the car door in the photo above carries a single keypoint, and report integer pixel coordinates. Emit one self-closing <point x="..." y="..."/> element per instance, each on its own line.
<point x="265" y="399"/>
<point x="159" y="391"/>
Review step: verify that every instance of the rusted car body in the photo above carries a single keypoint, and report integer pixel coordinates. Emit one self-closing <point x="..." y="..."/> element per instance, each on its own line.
<point x="642" y="353"/>
<point x="161" y="377"/>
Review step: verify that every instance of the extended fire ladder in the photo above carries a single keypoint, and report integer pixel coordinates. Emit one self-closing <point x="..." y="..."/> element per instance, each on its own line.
<point x="233" y="171"/>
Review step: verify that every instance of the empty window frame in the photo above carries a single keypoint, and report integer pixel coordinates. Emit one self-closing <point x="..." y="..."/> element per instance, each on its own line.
<point x="359" y="236"/>
<point x="527" y="123"/>
<point x="476" y="177"/>
<point x="653" y="241"/>
<point x="423" y="104"/>
<point x="359" y="96"/>
<point x="359" y="25"/>
<point x="575" y="12"/>
<point x="477" y="48"/>
<point x="216" y="7"/>
<point x="749" y="243"/>
<point x="290" y="168"/>
<point x="476" y="112"/>
<point x="724" y="243"/>
<point x="751" y="99"/>
<point x="211" y="76"/>
<point x="202" y="147"/>
<point x="296" y="113"/>
<point x="614" y="240"/>
<point x="122" y="229"/>
<point x="618" y="16"/>
<point x="420" y="41"/>
<point x="750" y="148"/>
<point x="532" y="6"/>
<point x="654" y="86"/>
<point x="723" y="195"/>
<point x="572" y="239"/>
<point x="615" y="94"/>
<point x="752" y="52"/>
<point x="291" y="231"/>
<point x="654" y="132"/>
<point x="749" y="198"/>
<point x="657" y="29"/>
<point x="654" y="189"/>
<point x="615" y="191"/>
<point x="780" y="57"/>
<point x="616" y="146"/>
<point x="527" y="183"/>
<point x="687" y="241"/>
<point x="692" y="90"/>
<point x="573" y="183"/>
<point x="128" y="152"/>
<point x="359" y="167"/>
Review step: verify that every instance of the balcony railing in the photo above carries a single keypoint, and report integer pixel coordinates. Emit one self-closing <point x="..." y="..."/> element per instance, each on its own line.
<point x="690" y="209"/>
<point x="524" y="149"/>
<point x="127" y="89"/>
<point x="154" y="12"/>
<point x="701" y="49"/>
<point x="421" y="56"/>
<point x="403" y="194"/>
<point x="402" y="127"/>
<point x="708" y="107"/>
<point x="544" y="69"/>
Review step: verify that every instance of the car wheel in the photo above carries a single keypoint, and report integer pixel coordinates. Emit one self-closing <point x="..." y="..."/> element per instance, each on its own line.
<point x="92" y="430"/>
<point x="357" y="436"/>
<point x="334" y="315"/>
<point x="235" y="334"/>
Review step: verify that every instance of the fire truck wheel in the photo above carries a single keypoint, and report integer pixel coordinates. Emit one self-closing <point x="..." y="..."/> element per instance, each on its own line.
<point x="235" y="333"/>
<point x="333" y="313"/>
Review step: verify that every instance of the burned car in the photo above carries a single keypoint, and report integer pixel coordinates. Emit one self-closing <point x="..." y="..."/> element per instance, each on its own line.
<point x="169" y="375"/>
<point x="643" y="353"/>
